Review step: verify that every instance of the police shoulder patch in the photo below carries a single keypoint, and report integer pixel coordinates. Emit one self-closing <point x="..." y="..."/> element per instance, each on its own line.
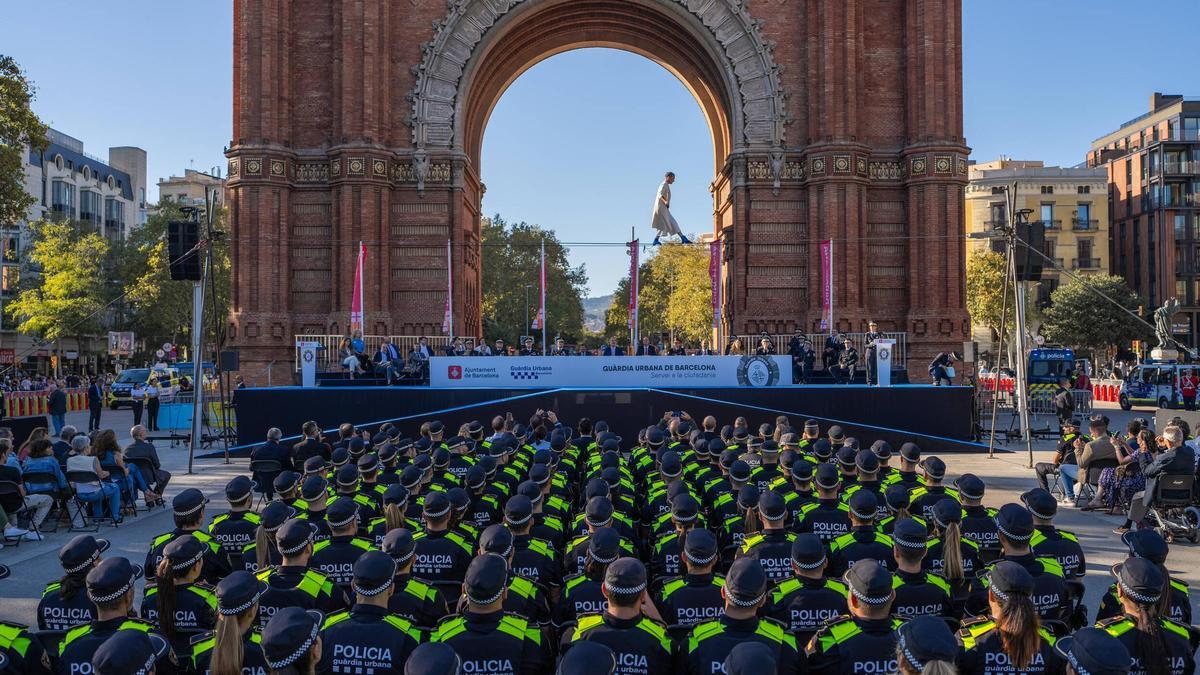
<point x="335" y="618"/>
<point x="707" y="630"/>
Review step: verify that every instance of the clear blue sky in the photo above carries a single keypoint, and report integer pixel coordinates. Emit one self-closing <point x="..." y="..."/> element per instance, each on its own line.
<point x="578" y="144"/>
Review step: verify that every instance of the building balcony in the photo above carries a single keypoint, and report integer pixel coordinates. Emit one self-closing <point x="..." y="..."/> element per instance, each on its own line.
<point x="1180" y="168"/>
<point x="995" y="224"/>
<point x="1086" y="263"/>
<point x="1052" y="224"/>
<point x="93" y="218"/>
<point x="1084" y="225"/>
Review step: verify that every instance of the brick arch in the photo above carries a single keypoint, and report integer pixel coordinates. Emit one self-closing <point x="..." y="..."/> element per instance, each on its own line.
<point x="482" y="46"/>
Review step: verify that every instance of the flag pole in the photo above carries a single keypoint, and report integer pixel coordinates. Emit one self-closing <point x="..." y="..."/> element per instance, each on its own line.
<point x="543" y="303"/>
<point x="450" y="287"/>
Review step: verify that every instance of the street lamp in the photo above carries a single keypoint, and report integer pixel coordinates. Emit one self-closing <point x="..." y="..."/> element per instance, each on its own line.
<point x="528" y="326"/>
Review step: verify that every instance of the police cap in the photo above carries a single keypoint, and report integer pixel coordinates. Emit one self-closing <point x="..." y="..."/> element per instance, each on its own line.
<point x="343" y="512"/>
<point x="947" y="510"/>
<point x="373" y="573"/>
<point x="459" y="500"/>
<point x="787" y="459"/>
<point x="539" y="474"/>
<point x="684" y="508"/>
<point x="808" y="553"/>
<point x="770" y="447"/>
<point x="368" y="463"/>
<point x="423" y="462"/>
<point x="387" y="452"/>
<point x="851" y="442"/>
<point x="598" y="511"/>
<point x="822" y="449"/>
<point x="654" y="437"/>
<point x="435" y="658"/>
<point x="845" y="457"/>
<point x="910" y="452"/>
<point x="970" y="486"/>
<point x="476" y="477"/>
<point x="455" y="442"/>
<point x="866" y="461"/>
<point x="399" y="544"/>
<point x="625" y="576"/>
<point x="749" y="658"/>
<point x="488" y="463"/>
<point x="716" y="447"/>
<point x="347" y="476"/>
<point x="289" y="635"/>
<point x="496" y="539"/>
<point x="184" y="551"/>
<point x="789" y="439"/>
<point x="395" y="494"/>
<point x="802" y="470"/>
<point x="188" y="502"/>
<point x="238" y="592"/>
<point x="411" y="476"/>
<point x="587" y="658"/>
<point x="437" y="505"/>
<point x="79" y="553"/>
<point x="286" y="482"/>
<point x="863" y="504"/>
<point x="1015" y="522"/>
<point x="882" y="449"/>
<point x="910" y="534"/>
<point x="812" y="426"/>
<point x="671" y="466"/>
<point x="612" y="476"/>
<point x="436" y="427"/>
<point x="827" y="476"/>
<point x="498" y="448"/>
<point x="754" y="443"/>
<point x="558" y="442"/>
<point x="356" y="447"/>
<point x="610" y="444"/>
<point x="313" y="487"/>
<point x="486" y="578"/>
<point x="897" y="497"/>
<point x="441" y="458"/>
<point x="518" y="510"/>
<point x="111" y="579"/>
<point x="870" y="582"/>
<point x="1140" y="580"/>
<point x="935" y="467"/>
<point x="925" y="639"/>
<point x="1040" y="503"/>
<point x="340" y="457"/>
<point x="1007" y="577"/>
<point x="293" y="536"/>
<point x="700" y="546"/>
<point x="1092" y="651"/>
<point x="1146" y="544"/>
<point x="530" y="489"/>
<point x="129" y="652"/>
<point x="728" y="457"/>
<point x="237" y="489"/>
<point x="596" y="487"/>
<point x="741" y="433"/>
<point x="771" y="506"/>
<point x="403" y="444"/>
<point x="315" y="464"/>
<point x="739" y="471"/>
<point x="1071" y="423"/>
<point x="275" y="514"/>
<point x="746" y="582"/>
<point x="604" y="546"/>
<point x="747" y="497"/>
<point x="835" y="433"/>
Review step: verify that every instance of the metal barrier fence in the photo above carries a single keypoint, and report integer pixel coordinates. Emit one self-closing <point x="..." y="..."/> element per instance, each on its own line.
<point x="329" y="356"/>
<point x="1043" y="417"/>
<point x="175" y="414"/>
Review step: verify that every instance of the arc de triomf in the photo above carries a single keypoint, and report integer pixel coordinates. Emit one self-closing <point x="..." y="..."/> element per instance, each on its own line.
<point x="363" y="120"/>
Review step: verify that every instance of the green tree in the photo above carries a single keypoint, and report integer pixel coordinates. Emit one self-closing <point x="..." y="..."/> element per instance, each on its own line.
<point x="65" y="294"/>
<point x="18" y="127"/>
<point x="674" y="296"/>
<point x="986" y="272"/>
<point x="1080" y="318"/>
<point x="157" y="308"/>
<point x="511" y="260"/>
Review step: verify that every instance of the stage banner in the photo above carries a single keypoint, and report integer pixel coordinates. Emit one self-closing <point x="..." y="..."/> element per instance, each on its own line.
<point x="827" y="284"/>
<point x="714" y="273"/>
<point x="539" y="372"/>
<point x="883" y="361"/>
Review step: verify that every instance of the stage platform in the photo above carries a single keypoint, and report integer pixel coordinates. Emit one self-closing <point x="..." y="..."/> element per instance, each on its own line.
<point x="936" y="418"/>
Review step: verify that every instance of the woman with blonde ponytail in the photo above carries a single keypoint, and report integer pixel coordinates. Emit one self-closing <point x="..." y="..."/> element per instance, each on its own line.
<point x="234" y="647"/>
<point x="925" y="646"/>
<point x="1011" y="639"/>
<point x="262" y="552"/>
<point x="950" y="555"/>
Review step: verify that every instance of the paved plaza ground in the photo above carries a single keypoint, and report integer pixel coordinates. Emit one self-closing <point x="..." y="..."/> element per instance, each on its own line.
<point x="34" y="564"/>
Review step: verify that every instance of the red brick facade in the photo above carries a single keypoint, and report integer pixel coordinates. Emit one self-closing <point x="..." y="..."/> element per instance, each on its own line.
<point x="363" y="121"/>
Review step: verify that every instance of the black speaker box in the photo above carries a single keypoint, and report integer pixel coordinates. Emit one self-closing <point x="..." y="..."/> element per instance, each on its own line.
<point x="1031" y="242"/>
<point x="230" y="360"/>
<point x="185" y="260"/>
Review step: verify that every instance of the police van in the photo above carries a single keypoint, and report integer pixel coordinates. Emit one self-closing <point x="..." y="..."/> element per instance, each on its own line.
<point x="120" y="393"/>
<point x="1155" y="384"/>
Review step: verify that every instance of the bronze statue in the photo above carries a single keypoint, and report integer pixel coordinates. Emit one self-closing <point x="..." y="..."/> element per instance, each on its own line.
<point x="1162" y="323"/>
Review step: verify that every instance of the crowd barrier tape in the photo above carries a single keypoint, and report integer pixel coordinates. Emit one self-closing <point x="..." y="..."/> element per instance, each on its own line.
<point x="29" y="403"/>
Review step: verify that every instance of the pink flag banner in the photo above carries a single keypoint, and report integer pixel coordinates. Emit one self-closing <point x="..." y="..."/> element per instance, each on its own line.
<point x="539" y="320"/>
<point x="356" y="301"/>
<point x="827" y="284"/>
<point x="448" y="315"/>
<point x="714" y="273"/>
